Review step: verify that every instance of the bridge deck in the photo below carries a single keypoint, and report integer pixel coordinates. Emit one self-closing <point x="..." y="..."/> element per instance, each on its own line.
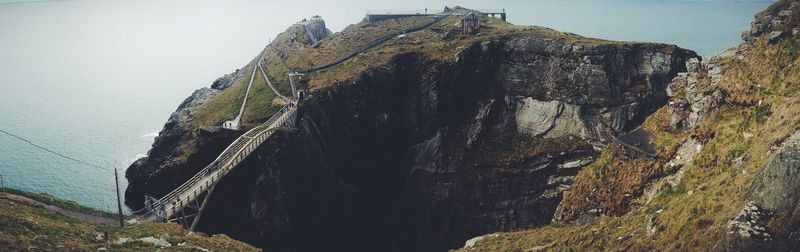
<point x="180" y="198"/>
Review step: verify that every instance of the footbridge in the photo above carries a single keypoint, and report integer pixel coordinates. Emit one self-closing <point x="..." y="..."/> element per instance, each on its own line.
<point x="172" y="206"/>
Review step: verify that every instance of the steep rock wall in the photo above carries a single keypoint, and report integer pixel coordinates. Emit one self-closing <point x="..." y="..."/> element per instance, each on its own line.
<point x="405" y="157"/>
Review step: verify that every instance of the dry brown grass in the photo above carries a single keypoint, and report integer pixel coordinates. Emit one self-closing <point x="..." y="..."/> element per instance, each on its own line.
<point x="26" y="226"/>
<point x="695" y="212"/>
<point x="439" y="45"/>
<point x="515" y="148"/>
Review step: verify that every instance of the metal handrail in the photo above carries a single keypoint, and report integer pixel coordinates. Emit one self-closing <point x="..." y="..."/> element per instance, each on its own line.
<point x="236" y="144"/>
<point x="491" y="10"/>
<point x="402" y="12"/>
<point x="245" y="143"/>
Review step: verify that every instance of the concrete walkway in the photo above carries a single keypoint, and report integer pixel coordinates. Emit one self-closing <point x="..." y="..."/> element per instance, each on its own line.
<point x="269" y="83"/>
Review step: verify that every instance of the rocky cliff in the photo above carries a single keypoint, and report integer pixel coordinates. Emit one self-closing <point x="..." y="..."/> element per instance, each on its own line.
<point x="724" y="173"/>
<point x="185" y="145"/>
<point x="422" y="152"/>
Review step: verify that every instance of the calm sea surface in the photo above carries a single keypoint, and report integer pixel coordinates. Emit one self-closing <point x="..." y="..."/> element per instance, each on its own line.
<point x="97" y="79"/>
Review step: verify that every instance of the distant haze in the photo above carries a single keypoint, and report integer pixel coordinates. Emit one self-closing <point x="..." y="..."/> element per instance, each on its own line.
<point x="97" y="79"/>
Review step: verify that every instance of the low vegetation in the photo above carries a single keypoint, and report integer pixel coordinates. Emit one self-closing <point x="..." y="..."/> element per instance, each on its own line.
<point x="262" y="103"/>
<point x="516" y="148"/>
<point x="53" y="201"/>
<point x="293" y="50"/>
<point x="439" y="44"/>
<point x="761" y="111"/>
<point x="27" y="226"/>
<point x="225" y="105"/>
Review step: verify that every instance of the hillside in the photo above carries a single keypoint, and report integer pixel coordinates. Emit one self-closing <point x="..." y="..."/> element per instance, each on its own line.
<point x="724" y="176"/>
<point x="31" y="225"/>
<point x="419" y="138"/>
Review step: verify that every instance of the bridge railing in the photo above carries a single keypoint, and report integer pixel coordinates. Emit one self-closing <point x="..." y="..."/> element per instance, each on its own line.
<point x="402" y="12"/>
<point x="229" y="158"/>
<point x="242" y="149"/>
<point x="491" y="10"/>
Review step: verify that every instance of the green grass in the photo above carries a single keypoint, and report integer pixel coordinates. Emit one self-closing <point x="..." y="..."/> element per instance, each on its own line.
<point x="762" y="112"/>
<point x="261" y="103"/>
<point x="27" y="226"/>
<point x="284" y="55"/>
<point x="65" y="204"/>
<point x="225" y="105"/>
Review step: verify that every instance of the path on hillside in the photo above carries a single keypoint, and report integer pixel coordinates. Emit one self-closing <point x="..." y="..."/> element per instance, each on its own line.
<point x="269" y="83"/>
<point x="247" y="92"/>
<point x="380" y="40"/>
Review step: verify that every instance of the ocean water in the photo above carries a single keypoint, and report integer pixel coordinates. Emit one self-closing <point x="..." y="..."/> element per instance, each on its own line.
<point x="97" y="79"/>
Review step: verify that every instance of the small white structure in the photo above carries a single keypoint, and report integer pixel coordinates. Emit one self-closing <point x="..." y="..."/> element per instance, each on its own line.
<point x="232" y="124"/>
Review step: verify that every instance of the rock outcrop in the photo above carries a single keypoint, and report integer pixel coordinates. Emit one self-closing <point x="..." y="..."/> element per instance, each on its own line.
<point x="779" y="20"/>
<point x="315" y="29"/>
<point x="592" y="91"/>
<point x="773" y="201"/>
<point x="695" y="94"/>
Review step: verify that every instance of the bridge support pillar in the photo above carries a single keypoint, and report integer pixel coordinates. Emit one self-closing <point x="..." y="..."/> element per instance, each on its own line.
<point x="200" y="210"/>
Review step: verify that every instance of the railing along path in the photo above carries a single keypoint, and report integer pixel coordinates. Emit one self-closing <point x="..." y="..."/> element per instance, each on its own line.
<point x="204" y="179"/>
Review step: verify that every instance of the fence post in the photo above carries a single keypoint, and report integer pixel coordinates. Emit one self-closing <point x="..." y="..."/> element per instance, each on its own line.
<point x="119" y="203"/>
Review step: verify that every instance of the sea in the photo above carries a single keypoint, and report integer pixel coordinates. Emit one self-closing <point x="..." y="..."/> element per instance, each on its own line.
<point x="95" y="80"/>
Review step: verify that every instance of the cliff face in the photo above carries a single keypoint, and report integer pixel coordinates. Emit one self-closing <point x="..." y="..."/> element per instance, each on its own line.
<point x="724" y="174"/>
<point x="418" y="155"/>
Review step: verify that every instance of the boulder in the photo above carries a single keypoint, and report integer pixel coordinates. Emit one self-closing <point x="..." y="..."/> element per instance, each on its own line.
<point x="158" y="242"/>
<point x="774" y="192"/>
<point x="775" y="36"/>
<point x="748" y="229"/>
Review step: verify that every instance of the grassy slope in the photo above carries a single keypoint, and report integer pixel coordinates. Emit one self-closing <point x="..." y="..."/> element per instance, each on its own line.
<point x="65" y="204"/>
<point x="225" y="105"/>
<point x="28" y="226"/>
<point x="437" y="46"/>
<point x="282" y="55"/>
<point x="696" y="211"/>
<point x="261" y="103"/>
